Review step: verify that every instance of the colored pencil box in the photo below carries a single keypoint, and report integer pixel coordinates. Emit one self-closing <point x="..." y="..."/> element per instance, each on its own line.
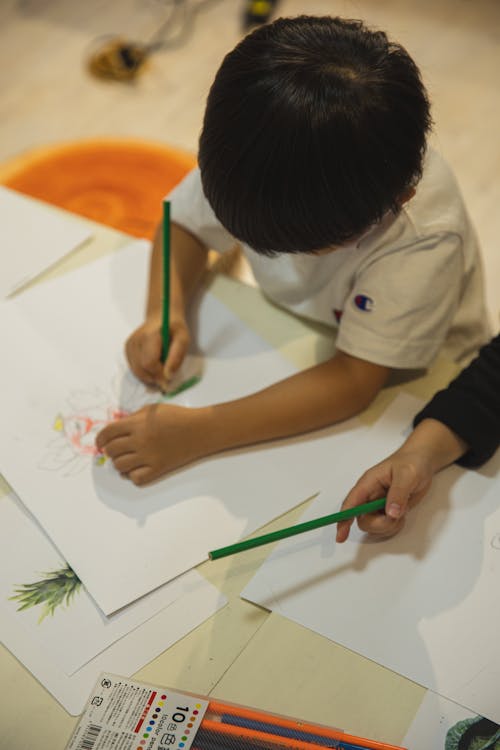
<point x="123" y="714"/>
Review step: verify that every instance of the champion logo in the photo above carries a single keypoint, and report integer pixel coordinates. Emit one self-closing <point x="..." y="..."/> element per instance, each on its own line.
<point x="363" y="302"/>
<point x="338" y="314"/>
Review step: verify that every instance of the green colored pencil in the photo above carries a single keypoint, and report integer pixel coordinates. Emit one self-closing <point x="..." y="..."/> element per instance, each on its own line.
<point x="165" y="328"/>
<point x="194" y="380"/>
<point x="300" y="528"/>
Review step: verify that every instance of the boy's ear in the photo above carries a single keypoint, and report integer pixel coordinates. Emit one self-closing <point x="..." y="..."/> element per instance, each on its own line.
<point x="407" y="196"/>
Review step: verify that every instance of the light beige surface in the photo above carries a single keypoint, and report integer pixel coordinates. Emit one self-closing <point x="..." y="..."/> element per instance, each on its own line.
<point x="243" y="654"/>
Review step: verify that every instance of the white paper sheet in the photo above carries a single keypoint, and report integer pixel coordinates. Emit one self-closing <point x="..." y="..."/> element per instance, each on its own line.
<point x="68" y="374"/>
<point x="33" y="236"/>
<point x="126" y="656"/>
<point x="76" y="631"/>
<point x="426" y="603"/>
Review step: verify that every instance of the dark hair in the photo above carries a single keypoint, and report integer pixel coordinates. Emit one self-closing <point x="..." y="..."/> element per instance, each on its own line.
<point x="314" y="128"/>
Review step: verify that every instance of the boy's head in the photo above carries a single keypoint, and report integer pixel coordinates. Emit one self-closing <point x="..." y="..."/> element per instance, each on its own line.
<point x="314" y="128"/>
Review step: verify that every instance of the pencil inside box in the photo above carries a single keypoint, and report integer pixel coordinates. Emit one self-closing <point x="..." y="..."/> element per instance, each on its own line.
<point x="230" y="726"/>
<point x="151" y="717"/>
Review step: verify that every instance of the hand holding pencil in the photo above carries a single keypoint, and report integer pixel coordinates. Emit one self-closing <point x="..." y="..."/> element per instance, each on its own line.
<point x="157" y="348"/>
<point x="159" y="437"/>
<point x="144" y="349"/>
<point x="405" y="476"/>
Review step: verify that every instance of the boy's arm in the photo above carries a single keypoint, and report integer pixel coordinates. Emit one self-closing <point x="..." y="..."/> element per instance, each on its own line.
<point x="188" y="261"/>
<point x="317" y="397"/>
<point x="160" y="438"/>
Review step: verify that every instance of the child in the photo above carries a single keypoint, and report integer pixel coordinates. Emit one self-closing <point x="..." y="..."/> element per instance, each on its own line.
<point x="461" y="423"/>
<point x="313" y="156"/>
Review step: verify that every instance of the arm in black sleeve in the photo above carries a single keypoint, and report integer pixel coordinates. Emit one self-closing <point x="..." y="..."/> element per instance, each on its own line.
<point x="470" y="406"/>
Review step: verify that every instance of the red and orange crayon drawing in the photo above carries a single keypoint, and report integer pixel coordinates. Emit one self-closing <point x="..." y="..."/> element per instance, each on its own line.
<point x="87" y="413"/>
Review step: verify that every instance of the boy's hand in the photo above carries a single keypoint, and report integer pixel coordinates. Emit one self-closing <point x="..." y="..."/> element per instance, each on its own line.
<point x="404" y="478"/>
<point x="154" y="440"/>
<point x="144" y="348"/>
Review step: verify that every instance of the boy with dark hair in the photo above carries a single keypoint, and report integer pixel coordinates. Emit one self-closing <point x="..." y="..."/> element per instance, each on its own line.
<point x="313" y="156"/>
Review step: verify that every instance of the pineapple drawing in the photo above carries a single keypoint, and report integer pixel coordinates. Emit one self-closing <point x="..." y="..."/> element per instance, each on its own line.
<point x="55" y="589"/>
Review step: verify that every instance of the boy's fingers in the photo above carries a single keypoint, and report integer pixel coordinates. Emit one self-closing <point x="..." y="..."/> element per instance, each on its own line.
<point x="126" y="463"/>
<point x="118" y="447"/>
<point x="140" y="475"/>
<point x="133" y="352"/>
<point x="113" y="430"/>
<point x="150" y="357"/>
<point x="143" y="375"/>
<point x="176" y="354"/>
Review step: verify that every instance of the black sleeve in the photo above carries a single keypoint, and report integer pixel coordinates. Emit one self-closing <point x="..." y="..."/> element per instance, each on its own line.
<point x="470" y="406"/>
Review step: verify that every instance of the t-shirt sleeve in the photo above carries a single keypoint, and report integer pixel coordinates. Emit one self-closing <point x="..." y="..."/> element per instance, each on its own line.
<point x="470" y="406"/>
<point x="190" y="209"/>
<point x="402" y="303"/>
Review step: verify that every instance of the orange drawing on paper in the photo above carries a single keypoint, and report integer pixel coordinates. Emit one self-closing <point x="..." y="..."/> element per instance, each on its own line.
<point x="87" y="412"/>
<point x="75" y="444"/>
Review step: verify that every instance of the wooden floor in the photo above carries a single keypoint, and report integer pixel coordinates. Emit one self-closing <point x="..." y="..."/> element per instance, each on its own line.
<point x="47" y="96"/>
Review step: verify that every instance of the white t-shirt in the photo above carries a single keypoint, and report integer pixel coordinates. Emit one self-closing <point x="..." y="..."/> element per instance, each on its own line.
<point x="410" y="287"/>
